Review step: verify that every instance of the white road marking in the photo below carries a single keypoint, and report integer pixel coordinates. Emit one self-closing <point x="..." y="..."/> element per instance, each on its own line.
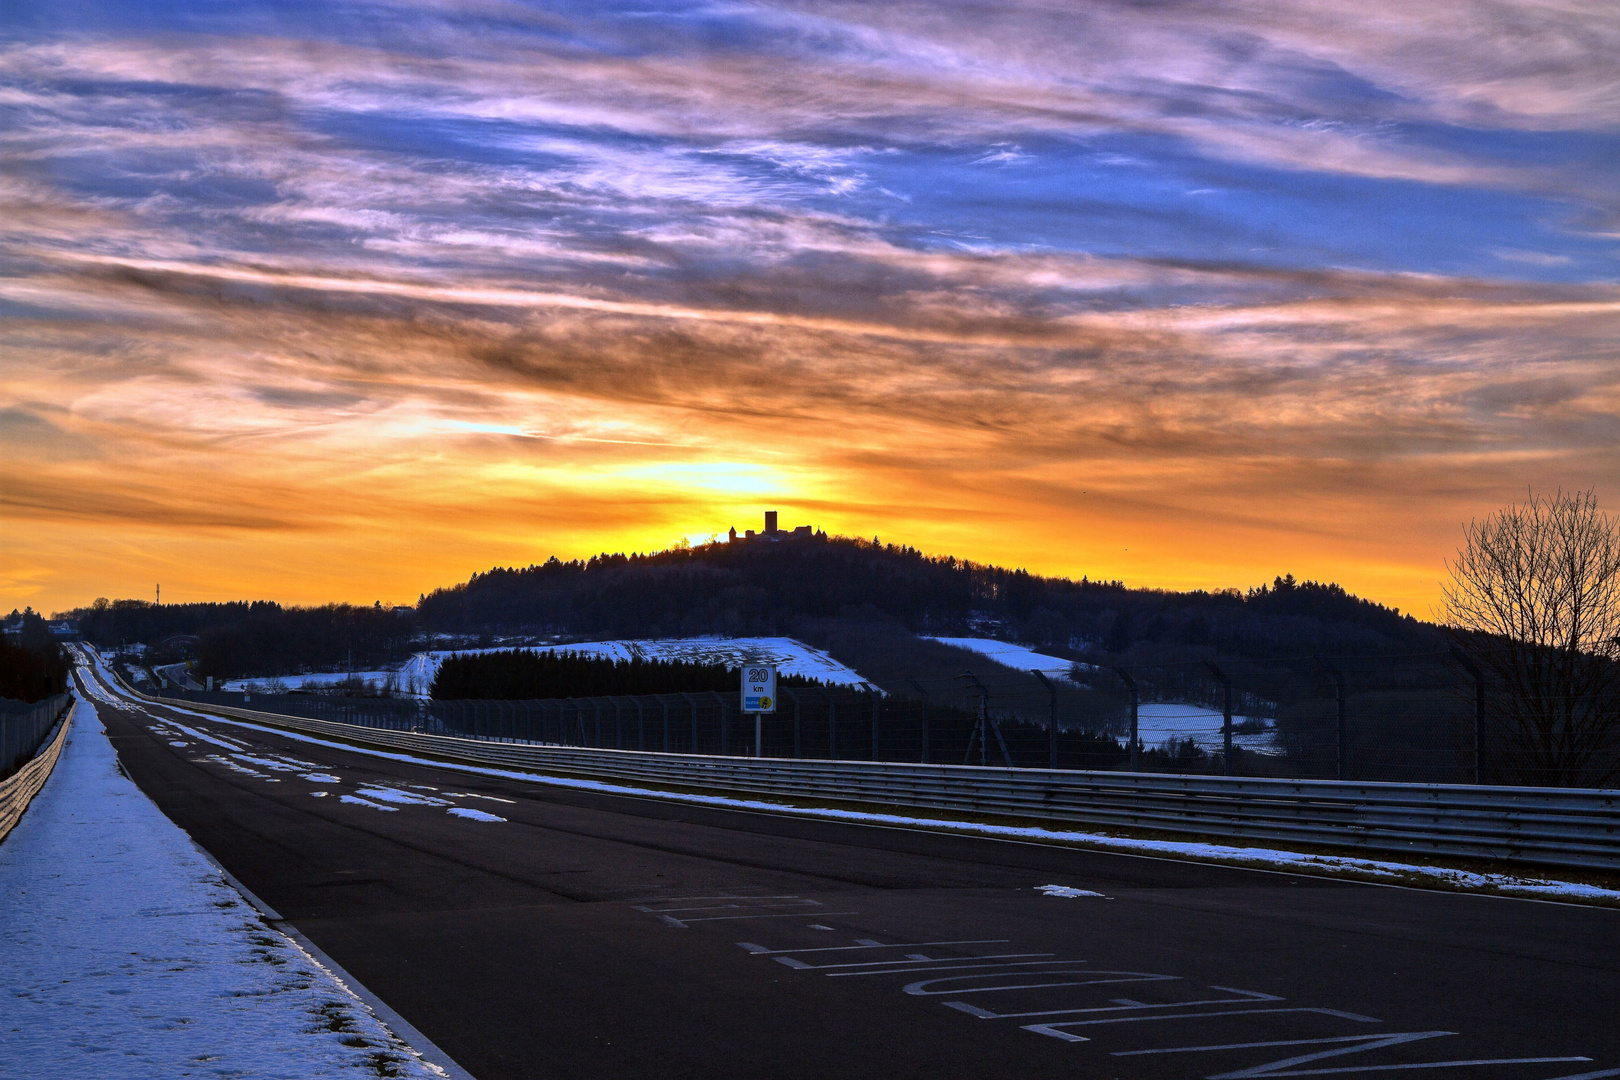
<point x="800" y="965"/>
<point x="864" y="943"/>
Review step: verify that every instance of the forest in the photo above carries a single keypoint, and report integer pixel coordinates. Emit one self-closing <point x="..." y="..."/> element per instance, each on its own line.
<point x="515" y="675"/>
<point x="253" y="638"/>
<point x="763" y="587"/>
<point x="32" y="665"/>
<point x="866" y="598"/>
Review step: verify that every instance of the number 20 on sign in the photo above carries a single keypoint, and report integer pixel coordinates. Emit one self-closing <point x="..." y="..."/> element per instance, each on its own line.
<point x="759" y="688"/>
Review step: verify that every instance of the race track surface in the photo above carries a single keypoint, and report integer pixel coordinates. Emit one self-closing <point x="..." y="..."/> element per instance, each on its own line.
<point x="586" y="935"/>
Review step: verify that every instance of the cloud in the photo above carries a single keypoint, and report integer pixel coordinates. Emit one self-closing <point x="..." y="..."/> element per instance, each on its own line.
<point x="510" y="282"/>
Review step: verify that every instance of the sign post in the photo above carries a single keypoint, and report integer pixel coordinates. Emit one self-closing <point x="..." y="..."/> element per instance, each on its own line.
<point x="758" y="697"/>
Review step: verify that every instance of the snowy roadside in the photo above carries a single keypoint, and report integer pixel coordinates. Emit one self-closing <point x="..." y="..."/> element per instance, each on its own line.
<point x="123" y="952"/>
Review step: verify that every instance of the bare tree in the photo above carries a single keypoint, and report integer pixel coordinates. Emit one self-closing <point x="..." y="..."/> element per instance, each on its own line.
<point x="1534" y="599"/>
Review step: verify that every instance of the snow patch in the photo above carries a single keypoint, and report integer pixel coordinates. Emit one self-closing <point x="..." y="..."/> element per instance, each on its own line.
<point x="404" y="798"/>
<point x="322" y="778"/>
<point x="121" y="941"/>
<point x="472" y="815"/>
<point x="1159" y="723"/>
<point x="1064" y="890"/>
<point x="357" y="801"/>
<point x="1021" y="657"/>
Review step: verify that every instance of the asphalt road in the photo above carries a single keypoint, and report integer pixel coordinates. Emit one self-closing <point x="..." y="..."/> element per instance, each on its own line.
<point x="586" y="935"/>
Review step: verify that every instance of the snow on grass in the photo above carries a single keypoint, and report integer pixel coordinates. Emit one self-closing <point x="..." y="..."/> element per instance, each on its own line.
<point x="1159" y="723"/>
<point x="372" y="681"/>
<point x="791" y="657"/>
<point x="1259" y="857"/>
<point x="415" y="677"/>
<point x="123" y="952"/>
<point x="1021" y="657"/>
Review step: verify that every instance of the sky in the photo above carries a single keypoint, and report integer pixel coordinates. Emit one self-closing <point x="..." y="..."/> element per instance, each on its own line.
<point x="348" y="301"/>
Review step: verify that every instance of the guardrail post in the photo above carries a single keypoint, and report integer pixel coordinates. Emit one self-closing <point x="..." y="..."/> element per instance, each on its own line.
<point x="1226" y="713"/>
<point x="1136" y="704"/>
<point x="1051" y="723"/>
<point x="1479" y="711"/>
<point x="1342" y="728"/>
<point x="924" y="694"/>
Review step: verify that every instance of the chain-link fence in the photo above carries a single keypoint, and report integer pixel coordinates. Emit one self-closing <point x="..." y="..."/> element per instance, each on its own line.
<point x="1436" y="718"/>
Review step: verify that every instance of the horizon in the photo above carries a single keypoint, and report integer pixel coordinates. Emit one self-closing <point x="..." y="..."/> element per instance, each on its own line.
<point x="718" y="541"/>
<point x="346" y="303"/>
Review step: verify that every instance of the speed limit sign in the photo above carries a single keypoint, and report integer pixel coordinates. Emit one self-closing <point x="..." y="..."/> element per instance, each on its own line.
<point x="759" y="688"/>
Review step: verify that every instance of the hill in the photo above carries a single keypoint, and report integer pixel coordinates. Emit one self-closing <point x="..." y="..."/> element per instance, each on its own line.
<point x="761" y="587"/>
<point x="863" y="601"/>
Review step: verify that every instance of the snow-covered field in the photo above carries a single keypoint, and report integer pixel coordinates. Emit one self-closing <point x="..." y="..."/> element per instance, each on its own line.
<point x="1021" y="657"/>
<point x="375" y="680"/>
<point x="123" y="953"/>
<point x="1157" y="724"/>
<point x="791" y="657"/>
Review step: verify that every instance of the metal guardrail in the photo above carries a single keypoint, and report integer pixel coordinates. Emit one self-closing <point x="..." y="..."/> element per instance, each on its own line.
<point x="23" y="728"/>
<point x="1539" y="826"/>
<point x="19" y="789"/>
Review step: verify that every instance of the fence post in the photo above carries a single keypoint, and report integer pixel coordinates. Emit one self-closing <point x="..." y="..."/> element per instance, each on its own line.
<point x="1051" y="723"/>
<point x="798" y="750"/>
<point x="725" y="724"/>
<point x="1342" y="727"/>
<point x="641" y="723"/>
<point x="692" y="701"/>
<point x="665" y="703"/>
<point x="1226" y="713"/>
<point x="924" y="694"/>
<point x="1136" y="702"/>
<point x="832" y="728"/>
<point x="877" y="707"/>
<point x="1479" y="712"/>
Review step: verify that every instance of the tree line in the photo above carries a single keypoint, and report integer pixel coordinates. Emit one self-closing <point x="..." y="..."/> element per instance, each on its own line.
<point x="765" y="588"/>
<point x="32" y="665"/>
<point x="518" y="675"/>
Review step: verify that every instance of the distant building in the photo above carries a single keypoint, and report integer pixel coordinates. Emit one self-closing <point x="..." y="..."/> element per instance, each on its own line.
<point x="772" y="533"/>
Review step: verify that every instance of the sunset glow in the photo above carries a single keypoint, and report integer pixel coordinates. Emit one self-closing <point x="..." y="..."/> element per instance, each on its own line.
<point x="350" y="301"/>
